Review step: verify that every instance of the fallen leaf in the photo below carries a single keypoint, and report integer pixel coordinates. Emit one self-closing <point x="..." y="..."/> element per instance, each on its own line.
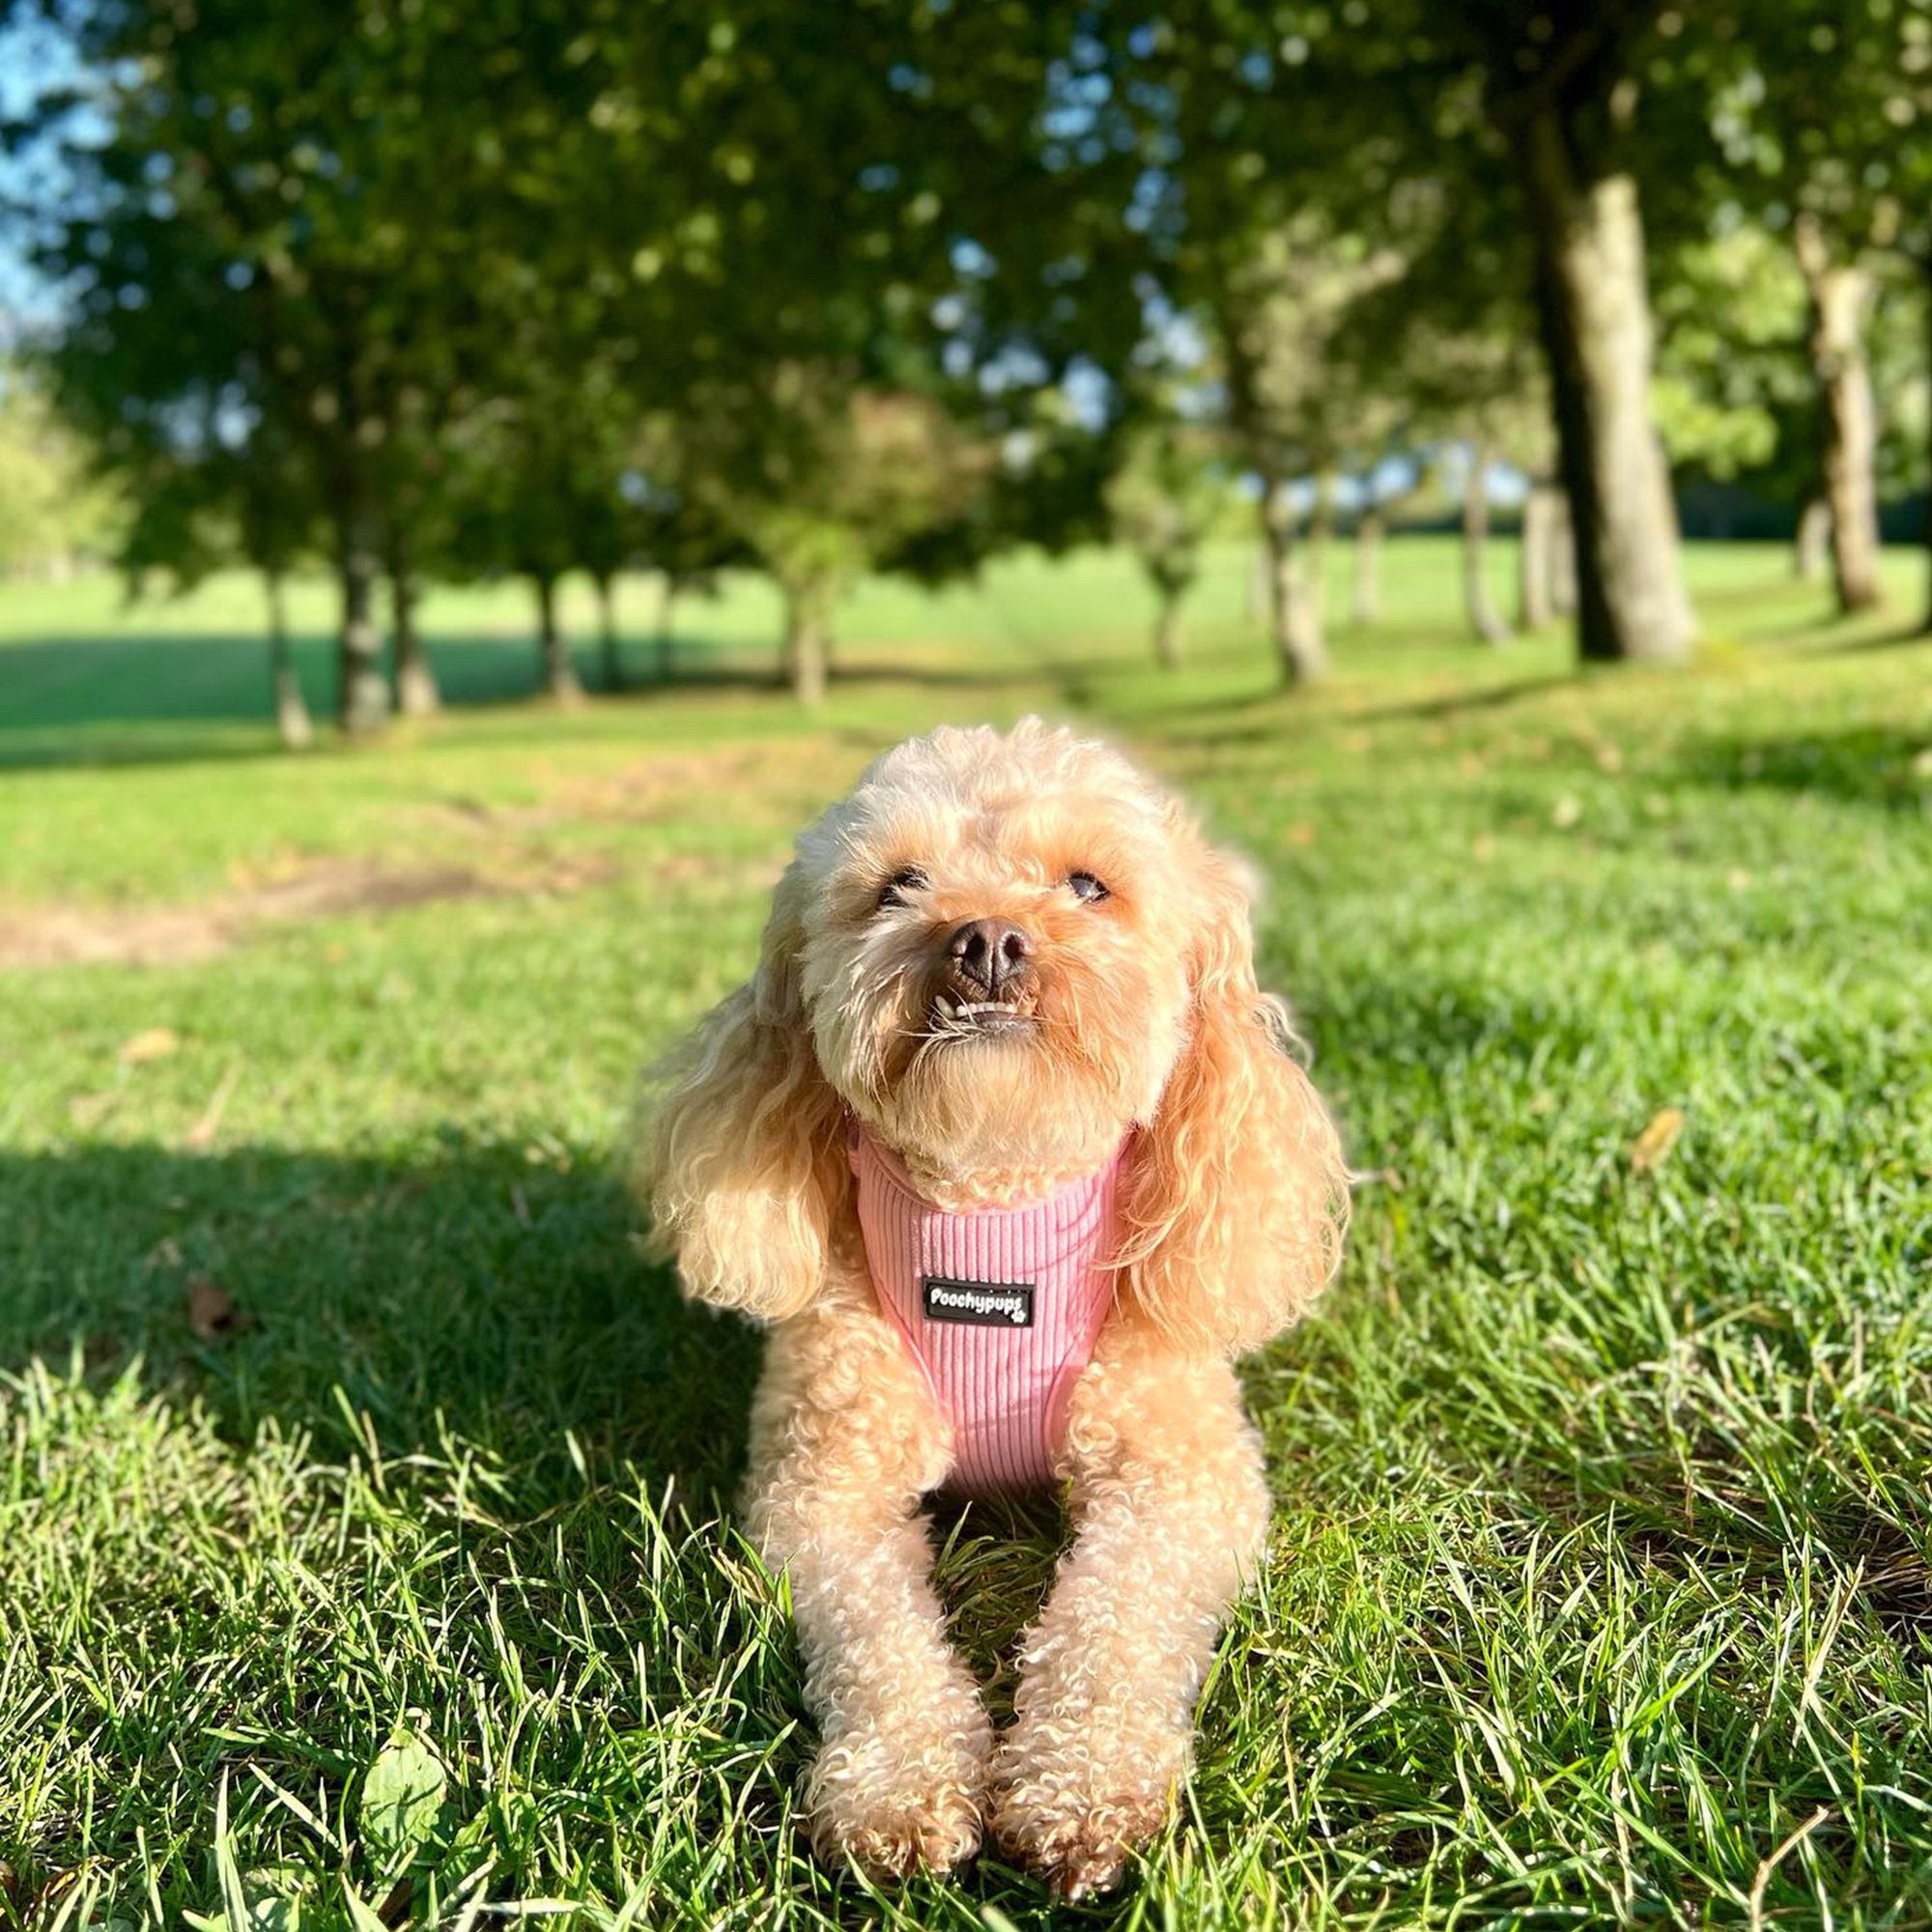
<point x="1301" y="834"/>
<point x="1566" y="813"/>
<point x="87" y="1111"/>
<point x="212" y="1312"/>
<point x="1650" y="1147"/>
<point x="1609" y="756"/>
<point x="201" y="1136"/>
<point x="1484" y="847"/>
<point x="154" y="1043"/>
<point x="402" y="1796"/>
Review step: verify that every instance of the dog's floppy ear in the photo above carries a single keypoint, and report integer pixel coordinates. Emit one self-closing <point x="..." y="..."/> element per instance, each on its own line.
<point x="1237" y="1197"/>
<point x="744" y="1160"/>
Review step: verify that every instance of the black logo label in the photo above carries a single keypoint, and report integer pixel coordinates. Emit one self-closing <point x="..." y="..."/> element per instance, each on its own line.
<point x="989" y="1305"/>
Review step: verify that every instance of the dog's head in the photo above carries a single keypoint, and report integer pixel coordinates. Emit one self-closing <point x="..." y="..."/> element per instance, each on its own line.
<point x="989" y="947"/>
<point x="1002" y="953"/>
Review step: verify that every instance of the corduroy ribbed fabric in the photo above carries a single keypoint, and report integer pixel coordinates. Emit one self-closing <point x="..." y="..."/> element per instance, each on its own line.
<point x="956" y="1287"/>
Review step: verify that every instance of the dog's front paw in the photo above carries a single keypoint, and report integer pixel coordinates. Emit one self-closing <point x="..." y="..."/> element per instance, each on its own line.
<point x="891" y="1810"/>
<point x="1075" y="1820"/>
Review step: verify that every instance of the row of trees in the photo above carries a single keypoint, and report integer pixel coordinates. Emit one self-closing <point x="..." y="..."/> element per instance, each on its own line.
<point x="432" y="289"/>
<point x="54" y="517"/>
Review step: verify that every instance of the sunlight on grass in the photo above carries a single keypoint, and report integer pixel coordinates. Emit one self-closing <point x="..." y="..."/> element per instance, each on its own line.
<point x="1601" y="1589"/>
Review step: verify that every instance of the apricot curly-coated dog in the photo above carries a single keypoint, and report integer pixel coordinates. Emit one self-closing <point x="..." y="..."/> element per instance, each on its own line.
<point x="1007" y="1147"/>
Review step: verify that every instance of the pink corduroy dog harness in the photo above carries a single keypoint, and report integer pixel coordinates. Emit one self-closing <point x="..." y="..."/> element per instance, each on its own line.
<point x="1000" y="1307"/>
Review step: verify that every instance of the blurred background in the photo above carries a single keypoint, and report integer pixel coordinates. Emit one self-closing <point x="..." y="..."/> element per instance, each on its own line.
<point x="477" y="476"/>
<point x="635" y="314"/>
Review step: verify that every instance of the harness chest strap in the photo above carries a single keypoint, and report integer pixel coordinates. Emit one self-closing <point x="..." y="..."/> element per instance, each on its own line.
<point x="1000" y="1306"/>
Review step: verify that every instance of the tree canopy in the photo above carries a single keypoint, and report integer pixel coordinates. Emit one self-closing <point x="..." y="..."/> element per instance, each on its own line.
<point x="443" y="290"/>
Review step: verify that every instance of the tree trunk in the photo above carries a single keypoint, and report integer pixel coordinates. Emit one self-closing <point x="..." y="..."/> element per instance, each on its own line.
<point x="609" y="650"/>
<point x="1167" y="625"/>
<point x="1294" y="619"/>
<point x="291" y="718"/>
<point x="1811" y="545"/>
<point x="1321" y="529"/>
<point x="806" y="642"/>
<point x="1925" y="269"/>
<point x="1367" y="599"/>
<point x="1481" y="611"/>
<point x="1840" y="297"/>
<point x="1259" y="577"/>
<point x="667" y="640"/>
<point x="558" y="674"/>
<point x="1562" y="558"/>
<point x="1593" y="313"/>
<point x="1534" y="606"/>
<point x="362" y="693"/>
<point x="416" y="693"/>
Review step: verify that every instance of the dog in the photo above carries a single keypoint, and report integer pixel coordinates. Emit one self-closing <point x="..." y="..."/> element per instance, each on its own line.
<point x="1007" y="1146"/>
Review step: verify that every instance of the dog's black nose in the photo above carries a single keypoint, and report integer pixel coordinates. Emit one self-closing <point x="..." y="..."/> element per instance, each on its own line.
<point x="988" y="953"/>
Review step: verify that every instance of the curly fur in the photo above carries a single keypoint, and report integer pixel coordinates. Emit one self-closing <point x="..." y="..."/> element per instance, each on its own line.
<point x="1148" y="1016"/>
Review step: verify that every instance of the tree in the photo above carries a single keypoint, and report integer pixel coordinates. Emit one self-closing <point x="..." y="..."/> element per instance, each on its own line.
<point x="200" y="503"/>
<point x="1734" y="392"/>
<point x="831" y="478"/>
<point x="1163" y="501"/>
<point x="1811" y="114"/>
<point x="302" y="213"/>
<point x="1447" y="336"/>
<point x="55" y="513"/>
<point x="1366" y="135"/>
<point x="1279" y="313"/>
<point x="674" y="524"/>
<point x="1249" y="209"/>
<point x="1563" y="88"/>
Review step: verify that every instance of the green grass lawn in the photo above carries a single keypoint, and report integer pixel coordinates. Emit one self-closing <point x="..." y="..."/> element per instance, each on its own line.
<point x="365" y="1548"/>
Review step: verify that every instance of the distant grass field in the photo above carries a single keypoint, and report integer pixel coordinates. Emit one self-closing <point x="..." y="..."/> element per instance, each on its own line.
<point x="365" y="1550"/>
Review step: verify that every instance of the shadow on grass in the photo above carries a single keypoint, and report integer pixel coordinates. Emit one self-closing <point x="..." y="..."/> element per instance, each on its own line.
<point x="1868" y="764"/>
<point x="122" y="700"/>
<point x="474" y="1290"/>
<point x="1464" y="703"/>
<point x="473" y="1286"/>
<point x="476" y="1298"/>
<point x="1918" y="632"/>
<point x="1424" y="710"/>
<point x="112" y="699"/>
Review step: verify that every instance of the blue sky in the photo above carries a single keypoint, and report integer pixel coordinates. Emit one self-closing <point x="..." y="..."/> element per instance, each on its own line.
<point x="33" y="57"/>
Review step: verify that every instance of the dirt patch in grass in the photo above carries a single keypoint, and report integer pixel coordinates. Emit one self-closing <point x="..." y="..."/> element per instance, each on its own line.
<point x="784" y="780"/>
<point x="75" y="936"/>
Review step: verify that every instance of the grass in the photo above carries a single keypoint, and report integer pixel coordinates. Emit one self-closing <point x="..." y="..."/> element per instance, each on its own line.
<point x="365" y="1548"/>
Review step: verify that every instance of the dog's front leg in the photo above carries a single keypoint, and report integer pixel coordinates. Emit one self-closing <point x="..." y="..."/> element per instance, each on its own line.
<point x="1170" y="1504"/>
<point x="846" y="1439"/>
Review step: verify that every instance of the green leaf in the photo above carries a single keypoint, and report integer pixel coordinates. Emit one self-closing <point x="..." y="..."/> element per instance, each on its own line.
<point x="402" y="1797"/>
<point x="360" y="1914"/>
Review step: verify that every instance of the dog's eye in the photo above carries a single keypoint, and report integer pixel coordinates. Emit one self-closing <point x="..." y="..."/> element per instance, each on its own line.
<point x="1084" y="886"/>
<point x="907" y="879"/>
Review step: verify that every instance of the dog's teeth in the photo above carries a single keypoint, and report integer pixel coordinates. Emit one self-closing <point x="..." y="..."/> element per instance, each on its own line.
<point x="947" y="1009"/>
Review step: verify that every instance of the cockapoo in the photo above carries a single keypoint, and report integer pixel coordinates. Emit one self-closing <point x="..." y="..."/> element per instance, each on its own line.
<point x="1007" y="1147"/>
